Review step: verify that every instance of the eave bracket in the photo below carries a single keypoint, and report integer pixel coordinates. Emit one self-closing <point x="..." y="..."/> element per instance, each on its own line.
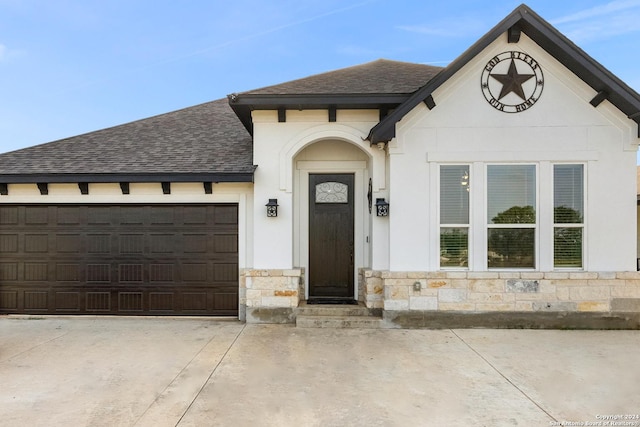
<point x="600" y="96"/>
<point x="429" y="102"/>
<point x="513" y="34"/>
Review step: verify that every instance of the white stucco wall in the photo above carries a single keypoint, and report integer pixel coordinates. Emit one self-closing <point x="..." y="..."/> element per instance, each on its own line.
<point x="308" y="143"/>
<point x="562" y="127"/>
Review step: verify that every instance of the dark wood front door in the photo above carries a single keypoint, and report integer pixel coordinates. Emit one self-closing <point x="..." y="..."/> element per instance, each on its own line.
<point x="331" y="217"/>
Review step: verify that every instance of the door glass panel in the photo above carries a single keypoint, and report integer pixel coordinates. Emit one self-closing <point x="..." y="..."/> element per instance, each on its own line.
<point x="332" y="192"/>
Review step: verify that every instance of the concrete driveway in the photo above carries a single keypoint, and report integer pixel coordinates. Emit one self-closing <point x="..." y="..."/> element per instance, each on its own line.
<point x="92" y="371"/>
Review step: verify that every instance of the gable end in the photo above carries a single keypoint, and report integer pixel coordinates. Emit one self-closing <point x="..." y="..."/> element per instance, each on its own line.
<point x="523" y="19"/>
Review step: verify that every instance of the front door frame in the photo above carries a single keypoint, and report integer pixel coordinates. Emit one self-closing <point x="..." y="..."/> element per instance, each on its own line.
<point x="331" y="240"/>
<point x="301" y="212"/>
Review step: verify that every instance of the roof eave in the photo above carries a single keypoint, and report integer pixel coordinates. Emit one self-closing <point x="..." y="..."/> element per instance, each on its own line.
<point x="243" y="104"/>
<point x="71" y="178"/>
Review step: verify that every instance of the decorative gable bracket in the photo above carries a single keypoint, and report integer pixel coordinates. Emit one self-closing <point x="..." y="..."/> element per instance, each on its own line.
<point x="429" y="102"/>
<point x="600" y="96"/>
<point x="513" y="34"/>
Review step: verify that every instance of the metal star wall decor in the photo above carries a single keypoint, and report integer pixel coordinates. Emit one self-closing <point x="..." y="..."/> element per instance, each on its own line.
<point x="512" y="82"/>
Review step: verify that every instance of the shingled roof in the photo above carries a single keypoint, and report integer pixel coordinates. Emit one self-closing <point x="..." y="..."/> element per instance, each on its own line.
<point x="206" y="142"/>
<point x="382" y="85"/>
<point x="377" y="77"/>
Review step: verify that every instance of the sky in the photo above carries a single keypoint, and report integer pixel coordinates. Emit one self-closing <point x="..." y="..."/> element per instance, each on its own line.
<point x="68" y="67"/>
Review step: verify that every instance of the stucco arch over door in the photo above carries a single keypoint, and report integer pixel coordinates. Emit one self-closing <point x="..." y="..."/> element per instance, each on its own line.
<point x="335" y="132"/>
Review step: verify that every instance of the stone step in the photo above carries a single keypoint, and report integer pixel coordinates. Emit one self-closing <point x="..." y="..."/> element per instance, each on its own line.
<point x="339" y="322"/>
<point x="305" y="309"/>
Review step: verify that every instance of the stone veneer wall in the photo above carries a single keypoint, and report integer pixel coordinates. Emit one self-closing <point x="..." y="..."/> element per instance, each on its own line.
<point x="270" y="296"/>
<point x="505" y="292"/>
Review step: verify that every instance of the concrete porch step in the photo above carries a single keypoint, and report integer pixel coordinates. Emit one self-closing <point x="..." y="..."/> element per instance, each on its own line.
<point x="339" y="322"/>
<point x="305" y="309"/>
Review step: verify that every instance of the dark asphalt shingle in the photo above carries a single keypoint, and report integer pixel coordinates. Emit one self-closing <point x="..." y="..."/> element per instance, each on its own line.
<point x="381" y="76"/>
<point x="206" y="138"/>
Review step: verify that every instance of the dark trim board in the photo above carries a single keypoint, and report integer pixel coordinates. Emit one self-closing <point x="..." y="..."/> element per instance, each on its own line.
<point x="66" y="178"/>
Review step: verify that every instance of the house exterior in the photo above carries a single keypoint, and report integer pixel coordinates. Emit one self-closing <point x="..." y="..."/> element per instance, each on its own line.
<point x="476" y="194"/>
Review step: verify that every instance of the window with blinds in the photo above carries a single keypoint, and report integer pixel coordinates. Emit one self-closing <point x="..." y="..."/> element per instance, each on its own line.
<point x="568" y="215"/>
<point x="511" y="215"/>
<point x="454" y="216"/>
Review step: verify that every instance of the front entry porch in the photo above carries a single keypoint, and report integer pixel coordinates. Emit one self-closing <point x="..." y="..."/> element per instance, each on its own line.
<point x="549" y="300"/>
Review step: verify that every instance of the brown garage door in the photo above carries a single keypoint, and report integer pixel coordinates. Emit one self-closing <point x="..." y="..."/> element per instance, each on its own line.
<point x="119" y="260"/>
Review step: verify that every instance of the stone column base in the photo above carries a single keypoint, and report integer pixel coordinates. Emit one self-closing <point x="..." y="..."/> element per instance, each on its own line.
<point x="270" y="296"/>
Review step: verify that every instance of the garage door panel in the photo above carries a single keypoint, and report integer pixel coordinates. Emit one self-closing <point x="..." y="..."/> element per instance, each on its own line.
<point x="195" y="272"/>
<point x="36" y="215"/>
<point x="8" y="271"/>
<point x="98" y="302"/>
<point x="68" y="272"/>
<point x="161" y="301"/>
<point x="98" y="243"/>
<point x="69" y="243"/>
<point x="225" y="243"/>
<point x="162" y="273"/>
<point x="195" y="215"/>
<point x="36" y="271"/>
<point x="195" y="243"/>
<point x="225" y="299"/>
<point x="130" y="302"/>
<point x="9" y="243"/>
<point x="98" y="273"/>
<point x="36" y="300"/>
<point x="131" y="273"/>
<point x="166" y="243"/>
<point x="162" y="215"/>
<point x="36" y="243"/>
<point x="67" y="301"/>
<point x="131" y="259"/>
<point x="226" y="214"/>
<point x="9" y="215"/>
<point x="68" y="215"/>
<point x="131" y="244"/>
<point x="8" y="300"/>
<point x="225" y="272"/>
<point x="100" y="215"/>
<point x="130" y="215"/>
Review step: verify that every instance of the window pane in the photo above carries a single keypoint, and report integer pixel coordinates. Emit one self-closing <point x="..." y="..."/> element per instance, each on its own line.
<point x="511" y="194"/>
<point x="511" y="247"/>
<point x="332" y="192"/>
<point x="567" y="247"/>
<point x="454" y="247"/>
<point x="568" y="194"/>
<point x="454" y="195"/>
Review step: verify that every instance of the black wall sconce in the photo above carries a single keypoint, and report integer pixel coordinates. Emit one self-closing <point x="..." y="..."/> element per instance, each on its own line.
<point x="272" y="208"/>
<point x="382" y="207"/>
